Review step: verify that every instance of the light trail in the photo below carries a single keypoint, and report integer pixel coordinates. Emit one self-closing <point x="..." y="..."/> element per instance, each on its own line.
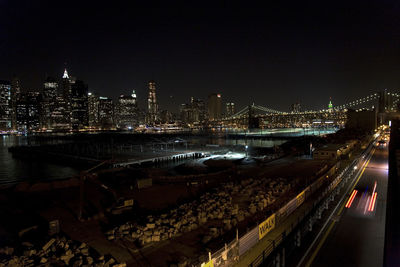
<point x="372" y="203"/>
<point x="350" y="201"/>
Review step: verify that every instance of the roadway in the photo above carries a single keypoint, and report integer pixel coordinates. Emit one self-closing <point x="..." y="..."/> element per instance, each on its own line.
<point x="355" y="235"/>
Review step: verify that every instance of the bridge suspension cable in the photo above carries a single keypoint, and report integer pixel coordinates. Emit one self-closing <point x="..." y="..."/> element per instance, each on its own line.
<point x="245" y="111"/>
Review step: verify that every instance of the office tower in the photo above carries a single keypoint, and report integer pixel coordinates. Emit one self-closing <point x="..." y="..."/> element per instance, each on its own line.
<point x="60" y="115"/>
<point x="15" y="91"/>
<point x="230" y="109"/>
<point x="165" y="116"/>
<point x="21" y="108"/>
<point x="66" y="84"/>
<point x="34" y="110"/>
<point x="5" y="103"/>
<point x="49" y="102"/>
<point x="214" y="106"/>
<point x="28" y="111"/>
<point x="93" y="109"/>
<point x="106" y="112"/>
<point x="127" y="117"/>
<point x="198" y="110"/>
<point x="194" y="112"/>
<point x="185" y="113"/>
<point x="152" y="108"/>
<point x="330" y="105"/>
<point x="50" y="88"/>
<point x="79" y="105"/>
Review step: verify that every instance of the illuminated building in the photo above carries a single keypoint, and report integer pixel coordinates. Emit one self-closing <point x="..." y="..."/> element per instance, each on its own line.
<point x="49" y="102"/>
<point x="330" y="105"/>
<point x="66" y="86"/>
<point x="15" y="91"/>
<point x="127" y="117"/>
<point x="165" y="116"/>
<point x="79" y="105"/>
<point x="230" y="109"/>
<point x="21" y="109"/>
<point x="34" y="110"/>
<point x="60" y="115"/>
<point x="28" y="111"/>
<point x="198" y="110"/>
<point x="5" y="104"/>
<point x="185" y="113"/>
<point x="152" y="108"/>
<point x="193" y="112"/>
<point x="106" y="112"/>
<point x="93" y="110"/>
<point x="214" y="107"/>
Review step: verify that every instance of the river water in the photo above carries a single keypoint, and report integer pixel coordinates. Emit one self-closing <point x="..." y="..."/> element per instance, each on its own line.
<point x="15" y="170"/>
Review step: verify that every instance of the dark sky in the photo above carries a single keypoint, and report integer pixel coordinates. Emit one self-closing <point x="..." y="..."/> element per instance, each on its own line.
<point x="272" y="55"/>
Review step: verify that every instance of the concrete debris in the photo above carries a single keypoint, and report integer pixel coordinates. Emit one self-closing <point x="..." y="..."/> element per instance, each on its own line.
<point x="215" y="205"/>
<point x="57" y="251"/>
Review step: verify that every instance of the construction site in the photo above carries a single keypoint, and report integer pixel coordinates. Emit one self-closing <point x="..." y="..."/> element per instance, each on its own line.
<point x="170" y="209"/>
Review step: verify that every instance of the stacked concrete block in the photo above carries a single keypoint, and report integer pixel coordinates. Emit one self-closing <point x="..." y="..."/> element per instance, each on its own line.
<point x="209" y="208"/>
<point x="56" y="251"/>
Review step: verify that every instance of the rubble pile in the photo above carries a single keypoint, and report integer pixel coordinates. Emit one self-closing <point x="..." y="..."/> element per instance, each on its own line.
<point x="58" y="251"/>
<point x="217" y="205"/>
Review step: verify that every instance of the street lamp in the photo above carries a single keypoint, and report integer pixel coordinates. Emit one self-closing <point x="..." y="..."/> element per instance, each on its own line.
<point x="246" y="149"/>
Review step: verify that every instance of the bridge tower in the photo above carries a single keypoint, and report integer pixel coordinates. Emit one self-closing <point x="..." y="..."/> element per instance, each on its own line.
<point x="386" y="106"/>
<point x="254" y="122"/>
<point x="385" y="101"/>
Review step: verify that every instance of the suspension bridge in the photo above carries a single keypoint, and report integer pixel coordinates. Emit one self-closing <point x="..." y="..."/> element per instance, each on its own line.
<point x="258" y="116"/>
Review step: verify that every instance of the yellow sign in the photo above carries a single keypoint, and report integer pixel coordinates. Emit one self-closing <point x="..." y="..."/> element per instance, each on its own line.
<point x="266" y="226"/>
<point x="128" y="202"/>
<point x="300" y="198"/>
<point x="208" y="264"/>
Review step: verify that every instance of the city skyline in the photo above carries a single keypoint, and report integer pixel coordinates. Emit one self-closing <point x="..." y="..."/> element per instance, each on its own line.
<point x="250" y="53"/>
<point x="202" y="134"/>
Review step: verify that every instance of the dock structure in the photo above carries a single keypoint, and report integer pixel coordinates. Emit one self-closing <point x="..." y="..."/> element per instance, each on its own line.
<point x="161" y="159"/>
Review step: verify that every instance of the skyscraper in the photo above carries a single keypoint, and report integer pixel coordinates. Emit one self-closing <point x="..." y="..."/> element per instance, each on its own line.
<point x="127" y="117"/>
<point x="28" y="107"/>
<point x="152" y="108"/>
<point x="15" y="91"/>
<point x="60" y="115"/>
<point x="93" y="110"/>
<point x="214" y="107"/>
<point x="5" y="103"/>
<point x="49" y="102"/>
<point x="33" y="100"/>
<point x="79" y="105"/>
<point x="50" y="88"/>
<point x="66" y="83"/>
<point x="106" y="112"/>
<point x="194" y="112"/>
<point x="330" y="105"/>
<point x="230" y="109"/>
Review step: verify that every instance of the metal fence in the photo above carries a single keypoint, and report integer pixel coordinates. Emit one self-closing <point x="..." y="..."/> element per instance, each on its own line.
<point x="227" y="255"/>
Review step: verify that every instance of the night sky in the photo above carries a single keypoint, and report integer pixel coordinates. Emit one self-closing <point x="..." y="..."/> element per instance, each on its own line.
<point x="273" y="56"/>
